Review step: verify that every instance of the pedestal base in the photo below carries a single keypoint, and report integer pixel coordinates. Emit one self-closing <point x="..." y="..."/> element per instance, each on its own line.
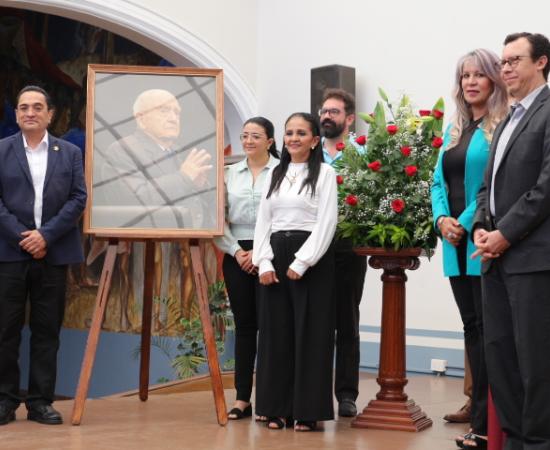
<point x="392" y="415"/>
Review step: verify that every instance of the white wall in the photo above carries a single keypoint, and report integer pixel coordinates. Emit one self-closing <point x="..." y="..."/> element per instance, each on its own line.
<point x="402" y="46"/>
<point x="228" y="26"/>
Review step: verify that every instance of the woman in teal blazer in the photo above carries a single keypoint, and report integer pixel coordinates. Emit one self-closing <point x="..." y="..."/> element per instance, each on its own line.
<point x="477" y="154"/>
<point x="481" y="102"/>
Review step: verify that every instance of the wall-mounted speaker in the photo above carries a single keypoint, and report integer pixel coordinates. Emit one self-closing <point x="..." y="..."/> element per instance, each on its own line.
<point x="333" y="76"/>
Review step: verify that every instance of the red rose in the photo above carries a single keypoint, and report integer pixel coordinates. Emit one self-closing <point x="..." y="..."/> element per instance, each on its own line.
<point x="340" y="146"/>
<point x="424" y="112"/>
<point x="437" y="114"/>
<point x="411" y="170"/>
<point x="406" y="150"/>
<point x="392" y="129"/>
<point x="361" y="140"/>
<point x="398" y="205"/>
<point x="339" y="179"/>
<point x="437" y="142"/>
<point x="374" y="166"/>
<point x="351" y="200"/>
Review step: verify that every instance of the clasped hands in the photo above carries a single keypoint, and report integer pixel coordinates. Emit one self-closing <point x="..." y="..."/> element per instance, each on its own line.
<point x="34" y="243"/>
<point x="451" y="230"/>
<point x="490" y="244"/>
<point x="270" y="277"/>
<point x="244" y="259"/>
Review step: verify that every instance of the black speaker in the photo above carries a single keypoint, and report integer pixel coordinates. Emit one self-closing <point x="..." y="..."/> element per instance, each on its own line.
<point x="333" y="76"/>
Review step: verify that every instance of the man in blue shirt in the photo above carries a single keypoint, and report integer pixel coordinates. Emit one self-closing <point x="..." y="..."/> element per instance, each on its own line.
<point x="336" y="116"/>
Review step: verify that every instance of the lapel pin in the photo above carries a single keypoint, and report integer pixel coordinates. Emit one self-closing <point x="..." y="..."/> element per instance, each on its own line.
<point x="55" y="148"/>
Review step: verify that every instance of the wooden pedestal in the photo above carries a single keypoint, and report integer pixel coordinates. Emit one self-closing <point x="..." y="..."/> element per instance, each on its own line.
<point x="392" y="409"/>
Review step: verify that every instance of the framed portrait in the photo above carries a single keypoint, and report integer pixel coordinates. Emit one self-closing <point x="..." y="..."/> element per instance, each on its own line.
<point x="154" y="152"/>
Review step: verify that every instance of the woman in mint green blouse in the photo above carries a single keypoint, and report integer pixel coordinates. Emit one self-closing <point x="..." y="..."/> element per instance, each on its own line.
<point x="244" y="183"/>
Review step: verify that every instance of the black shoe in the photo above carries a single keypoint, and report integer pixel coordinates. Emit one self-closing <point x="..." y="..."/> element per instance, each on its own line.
<point x="7" y="413"/>
<point x="44" y="414"/>
<point x="306" y="425"/>
<point x="278" y="423"/>
<point x="238" y="414"/>
<point x="475" y="442"/>
<point x="347" y="408"/>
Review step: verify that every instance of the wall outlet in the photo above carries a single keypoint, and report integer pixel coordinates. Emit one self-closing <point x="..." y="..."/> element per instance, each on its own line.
<point x="438" y="365"/>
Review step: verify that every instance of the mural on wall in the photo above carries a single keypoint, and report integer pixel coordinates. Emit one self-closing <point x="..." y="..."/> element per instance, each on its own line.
<point x="54" y="52"/>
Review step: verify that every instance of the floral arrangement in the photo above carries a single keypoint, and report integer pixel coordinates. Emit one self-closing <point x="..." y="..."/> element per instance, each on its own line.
<point x="384" y="180"/>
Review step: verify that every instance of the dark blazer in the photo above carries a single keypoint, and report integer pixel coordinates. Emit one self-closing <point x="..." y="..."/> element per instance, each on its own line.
<point x="64" y="199"/>
<point x="138" y="185"/>
<point x="522" y="191"/>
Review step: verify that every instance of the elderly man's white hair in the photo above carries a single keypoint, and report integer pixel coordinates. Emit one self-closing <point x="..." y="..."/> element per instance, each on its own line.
<point x="144" y="101"/>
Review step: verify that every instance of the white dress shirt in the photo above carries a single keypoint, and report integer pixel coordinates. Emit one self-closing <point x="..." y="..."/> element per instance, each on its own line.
<point x="242" y="199"/>
<point x="287" y="209"/>
<point x="37" y="158"/>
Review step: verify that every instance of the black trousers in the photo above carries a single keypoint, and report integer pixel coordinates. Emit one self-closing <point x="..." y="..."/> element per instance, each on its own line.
<point x="44" y="286"/>
<point x="296" y="337"/>
<point x="242" y="289"/>
<point x="467" y="294"/>
<point x="350" y="270"/>
<point x="516" y="311"/>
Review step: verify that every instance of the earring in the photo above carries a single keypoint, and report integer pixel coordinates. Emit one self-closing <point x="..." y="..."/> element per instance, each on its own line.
<point x="313" y="148"/>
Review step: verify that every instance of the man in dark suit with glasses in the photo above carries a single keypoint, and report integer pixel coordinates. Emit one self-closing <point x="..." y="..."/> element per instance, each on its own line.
<point x="512" y="234"/>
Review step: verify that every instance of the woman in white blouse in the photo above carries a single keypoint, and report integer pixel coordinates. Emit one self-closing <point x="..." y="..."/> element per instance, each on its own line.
<point x="292" y="248"/>
<point x="244" y="183"/>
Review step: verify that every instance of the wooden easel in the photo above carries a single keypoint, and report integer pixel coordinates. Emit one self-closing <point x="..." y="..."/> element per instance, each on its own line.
<point x="99" y="312"/>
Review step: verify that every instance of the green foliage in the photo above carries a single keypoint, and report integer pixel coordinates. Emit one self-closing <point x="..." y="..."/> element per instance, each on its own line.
<point x="190" y="350"/>
<point x="229" y="364"/>
<point x="393" y="207"/>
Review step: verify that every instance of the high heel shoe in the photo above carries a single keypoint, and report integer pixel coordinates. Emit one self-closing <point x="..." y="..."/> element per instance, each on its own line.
<point x="459" y="441"/>
<point x="307" y="425"/>
<point x="277" y="423"/>
<point x="239" y="414"/>
<point x="479" y="443"/>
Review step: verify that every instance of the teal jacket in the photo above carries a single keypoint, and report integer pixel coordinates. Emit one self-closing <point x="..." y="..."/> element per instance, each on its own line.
<point x="477" y="155"/>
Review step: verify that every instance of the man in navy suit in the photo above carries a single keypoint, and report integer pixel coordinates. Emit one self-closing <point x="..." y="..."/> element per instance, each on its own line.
<point x="42" y="195"/>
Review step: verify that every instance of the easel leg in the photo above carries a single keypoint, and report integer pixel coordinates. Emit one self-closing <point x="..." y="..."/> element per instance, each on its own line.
<point x="208" y="331"/>
<point x="93" y="336"/>
<point x="146" y="320"/>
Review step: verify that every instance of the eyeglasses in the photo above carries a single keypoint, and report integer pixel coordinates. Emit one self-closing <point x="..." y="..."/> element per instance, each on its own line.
<point x="512" y="61"/>
<point x="253" y="136"/>
<point x="330" y="111"/>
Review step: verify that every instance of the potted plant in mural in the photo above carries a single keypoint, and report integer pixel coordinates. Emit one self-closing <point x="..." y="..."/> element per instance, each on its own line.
<point x="384" y="181"/>
<point x="190" y="353"/>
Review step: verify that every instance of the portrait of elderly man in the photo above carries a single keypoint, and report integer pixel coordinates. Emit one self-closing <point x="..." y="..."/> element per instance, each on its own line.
<point x="148" y="179"/>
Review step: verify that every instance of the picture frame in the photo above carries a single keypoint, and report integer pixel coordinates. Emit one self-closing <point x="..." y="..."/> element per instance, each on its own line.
<point x="154" y="152"/>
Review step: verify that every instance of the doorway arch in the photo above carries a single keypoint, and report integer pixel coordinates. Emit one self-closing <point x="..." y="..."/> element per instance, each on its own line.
<point x="158" y="34"/>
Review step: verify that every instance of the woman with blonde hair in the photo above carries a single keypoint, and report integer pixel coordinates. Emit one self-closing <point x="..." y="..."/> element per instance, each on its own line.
<point x="481" y="103"/>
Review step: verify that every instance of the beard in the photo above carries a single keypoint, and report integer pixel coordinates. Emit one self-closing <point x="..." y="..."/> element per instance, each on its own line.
<point x="331" y="129"/>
